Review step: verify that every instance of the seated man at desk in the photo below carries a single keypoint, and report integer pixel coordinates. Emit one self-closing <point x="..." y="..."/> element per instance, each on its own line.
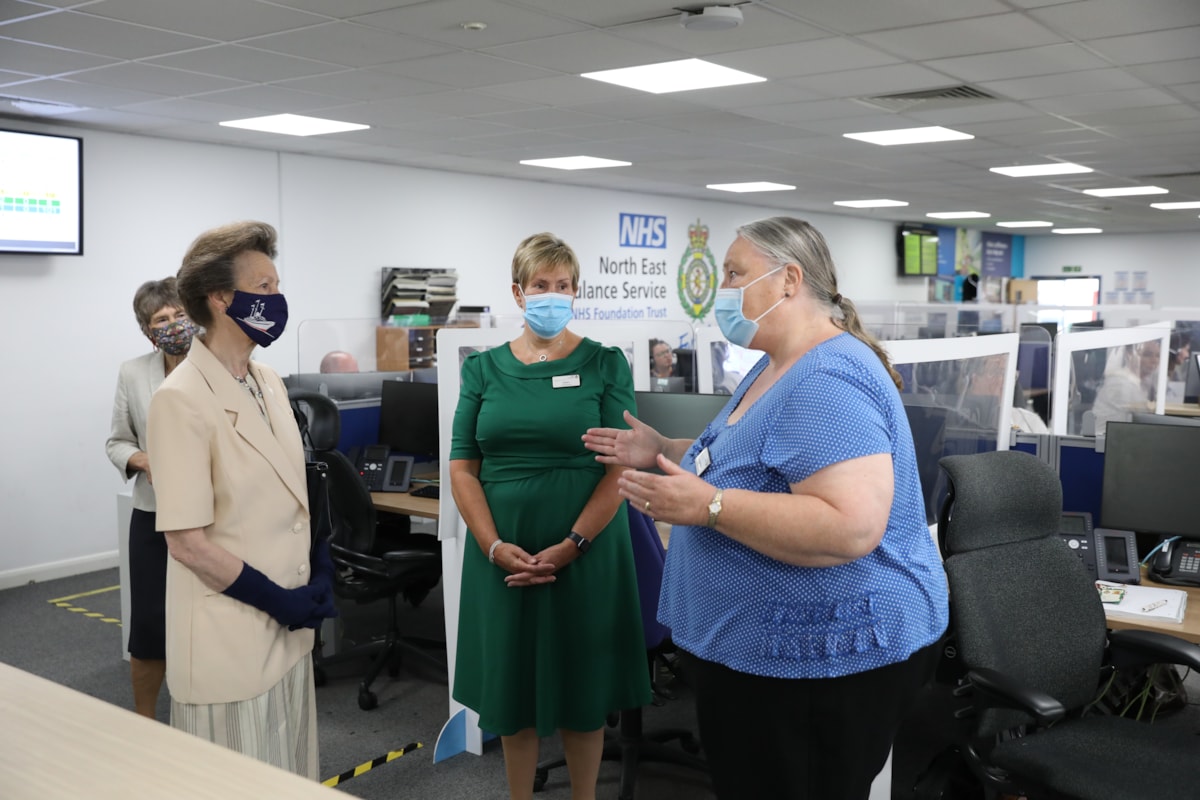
<point x="1128" y="386"/>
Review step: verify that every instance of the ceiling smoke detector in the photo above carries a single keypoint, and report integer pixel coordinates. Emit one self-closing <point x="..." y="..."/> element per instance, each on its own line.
<point x="711" y="18"/>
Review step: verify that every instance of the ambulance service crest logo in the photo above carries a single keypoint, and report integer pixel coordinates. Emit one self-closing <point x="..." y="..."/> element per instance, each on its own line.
<point x="697" y="278"/>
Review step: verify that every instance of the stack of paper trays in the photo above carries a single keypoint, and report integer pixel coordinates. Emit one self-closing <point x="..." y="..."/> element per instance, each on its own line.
<point x="1146" y="603"/>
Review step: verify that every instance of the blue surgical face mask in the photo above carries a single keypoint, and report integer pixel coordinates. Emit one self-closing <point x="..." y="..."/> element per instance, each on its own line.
<point x="547" y="314"/>
<point x="262" y="317"/>
<point x="728" y="310"/>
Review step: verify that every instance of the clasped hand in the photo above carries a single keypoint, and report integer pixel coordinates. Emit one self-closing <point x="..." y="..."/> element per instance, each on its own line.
<point x="532" y="570"/>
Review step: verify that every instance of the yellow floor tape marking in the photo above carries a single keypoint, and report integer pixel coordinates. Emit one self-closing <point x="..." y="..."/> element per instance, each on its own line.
<point x="85" y="594"/>
<point x="375" y="762"/>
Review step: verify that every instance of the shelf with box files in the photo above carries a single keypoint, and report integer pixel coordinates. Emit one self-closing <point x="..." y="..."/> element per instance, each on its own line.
<point x="417" y="296"/>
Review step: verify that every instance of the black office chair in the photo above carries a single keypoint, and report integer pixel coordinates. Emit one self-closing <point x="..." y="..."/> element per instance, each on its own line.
<point x="632" y="744"/>
<point x="374" y="561"/>
<point x="1031" y="636"/>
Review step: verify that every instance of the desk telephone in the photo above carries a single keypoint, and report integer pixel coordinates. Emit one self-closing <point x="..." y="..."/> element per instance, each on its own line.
<point x="1178" y="562"/>
<point x="383" y="470"/>
<point x="1107" y="554"/>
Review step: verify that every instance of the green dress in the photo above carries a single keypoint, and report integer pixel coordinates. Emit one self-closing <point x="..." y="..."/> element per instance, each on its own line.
<point x="566" y="653"/>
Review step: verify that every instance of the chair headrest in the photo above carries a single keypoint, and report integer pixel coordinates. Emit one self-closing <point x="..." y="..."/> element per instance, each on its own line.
<point x="324" y="421"/>
<point x="1000" y="497"/>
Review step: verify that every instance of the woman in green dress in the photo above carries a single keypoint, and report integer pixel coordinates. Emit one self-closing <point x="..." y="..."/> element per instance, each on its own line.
<point x="550" y="633"/>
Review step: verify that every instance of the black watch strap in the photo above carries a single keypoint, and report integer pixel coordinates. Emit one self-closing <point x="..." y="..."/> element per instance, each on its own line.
<point x="582" y="543"/>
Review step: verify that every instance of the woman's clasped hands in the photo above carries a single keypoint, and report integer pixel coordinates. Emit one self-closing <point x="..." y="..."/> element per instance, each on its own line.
<point x="532" y="570"/>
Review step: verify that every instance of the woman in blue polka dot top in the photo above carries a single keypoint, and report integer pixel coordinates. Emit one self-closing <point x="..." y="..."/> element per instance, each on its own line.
<point x="801" y="585"/>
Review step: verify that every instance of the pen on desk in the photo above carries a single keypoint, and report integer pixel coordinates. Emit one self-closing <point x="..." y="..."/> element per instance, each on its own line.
<point x="1154" y="605"/>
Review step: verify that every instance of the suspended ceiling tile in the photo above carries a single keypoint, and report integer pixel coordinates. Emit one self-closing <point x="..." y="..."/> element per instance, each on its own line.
<point x="760" y="27"/>
<point x="56" y="90"/>
<point x="1095" y="102"/>
<point x="363" y="84"/>
<point x="964" y="37"/>
<point x="222" y="20"/>
<point x="845" y="17"/>
<point x="466" y="70"/>
<point x="1093" y="80"/>
<point x="1166" y="73"/>
<point x="806" y="58"/>
<point x="465" y="104"/>
<point x="443" y="22"/>
<point x="277" y="100"/>
<point x="1148" y="48"/>
<point x="245" y="64"/>
<point x="1095" y="19"/>
<point x="348" y="44"/>
<point x="36" y="59"/>
<point x="584" y="52"/>
<point x="874" y="81"/>
<point x="142" y="77"/>
<point x="90" y="34"/>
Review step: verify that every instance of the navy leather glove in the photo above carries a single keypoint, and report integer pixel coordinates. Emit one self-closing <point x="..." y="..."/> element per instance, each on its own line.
<point x="321" y="582"/>
<point x="291" y="607"/>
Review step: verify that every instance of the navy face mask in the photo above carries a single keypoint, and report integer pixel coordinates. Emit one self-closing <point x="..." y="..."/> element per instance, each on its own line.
<point x="262" y="317"/>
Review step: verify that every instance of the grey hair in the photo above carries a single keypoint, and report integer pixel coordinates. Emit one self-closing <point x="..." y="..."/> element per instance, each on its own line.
<point x="787" y="240"/>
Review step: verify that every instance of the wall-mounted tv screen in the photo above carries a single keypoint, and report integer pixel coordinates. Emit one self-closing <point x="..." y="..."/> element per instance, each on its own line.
<point x="41" y="193"/>
<point x="916" y="250"/>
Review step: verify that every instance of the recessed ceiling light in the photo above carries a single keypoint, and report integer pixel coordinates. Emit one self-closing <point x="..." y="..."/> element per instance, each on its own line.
<point x="958" y="215"/>
<point x="751" y="186"/>
<point x="909" y="136"/>
<point x="1031" y="170"/>
<point x="294" y="125"/>
<point x="881" y="203"/>
<point x="674" y="76"/>
<point x="1174" y="206"/>
<point x="1077" y="230"/>
<point x="1028" y="223"/>
<point x="575" y="162"/>
<point x="1125" y="191"/>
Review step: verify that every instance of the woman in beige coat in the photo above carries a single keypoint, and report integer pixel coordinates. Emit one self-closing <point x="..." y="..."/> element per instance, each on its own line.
<point x="243" y="588"/>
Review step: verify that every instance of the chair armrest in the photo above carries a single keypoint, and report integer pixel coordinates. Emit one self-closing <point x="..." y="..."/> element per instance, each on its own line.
<point x="411" y="557"/>
<point x="1011" y="694"/>
<point x="357" y="562"/>
<point x="1135" y="648"/>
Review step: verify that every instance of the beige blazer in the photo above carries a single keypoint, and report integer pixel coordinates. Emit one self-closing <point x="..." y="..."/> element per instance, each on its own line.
<point x="218" y="466"/>
<point x="136" y="382"/>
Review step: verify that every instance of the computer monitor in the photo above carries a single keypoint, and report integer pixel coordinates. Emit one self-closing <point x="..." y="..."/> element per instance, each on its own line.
<point x="1149" y="477"/>
<point x="679" y="416"/>
<point x="685" y="367"/>
<point x="408" y="418"/>
<point x="675" y="383"/>
<point x="1149" y="418"/>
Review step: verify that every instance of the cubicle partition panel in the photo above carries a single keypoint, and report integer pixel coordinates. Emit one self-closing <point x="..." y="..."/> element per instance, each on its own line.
<point x="958" y="397"/>
<point x="720" y="366"/>
<point x="1107" y="374"/>
<point x="315" y="338"/>
<point x="634" y="338"/>
<point x="1081" y="471"/>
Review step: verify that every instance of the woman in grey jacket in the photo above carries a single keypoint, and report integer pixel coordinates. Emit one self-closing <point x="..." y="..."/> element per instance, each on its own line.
<point x="163" y="321"/>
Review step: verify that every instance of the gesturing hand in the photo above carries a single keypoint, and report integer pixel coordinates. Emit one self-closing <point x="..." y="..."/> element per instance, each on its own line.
<point x="677" y="496"/>
<point x="523" y="569"/>
<point x="637" y="447"/>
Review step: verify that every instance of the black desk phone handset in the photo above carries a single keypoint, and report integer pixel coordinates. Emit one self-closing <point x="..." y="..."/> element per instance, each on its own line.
<point x="383" y="470"/>
<point x="1178" y="562"/>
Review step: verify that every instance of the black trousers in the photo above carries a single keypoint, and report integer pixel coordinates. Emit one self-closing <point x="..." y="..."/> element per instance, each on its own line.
<point x="789" y="739"/>
<point x="147" y="588"/>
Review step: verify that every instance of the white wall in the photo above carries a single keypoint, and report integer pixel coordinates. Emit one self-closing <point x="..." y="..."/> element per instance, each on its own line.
<point x="68" y="321"/>
<point x="1171" y="261"/>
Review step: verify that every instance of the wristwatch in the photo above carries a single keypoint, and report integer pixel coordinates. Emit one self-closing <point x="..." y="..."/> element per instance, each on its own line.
<point x="714" y="508"/>
<point x="582" y="543"/>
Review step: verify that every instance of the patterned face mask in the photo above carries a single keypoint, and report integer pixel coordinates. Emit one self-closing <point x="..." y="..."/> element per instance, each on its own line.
<point x="175" y="338"/>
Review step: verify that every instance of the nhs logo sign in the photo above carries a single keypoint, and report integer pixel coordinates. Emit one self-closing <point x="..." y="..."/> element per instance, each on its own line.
<point x="640" y="230"/>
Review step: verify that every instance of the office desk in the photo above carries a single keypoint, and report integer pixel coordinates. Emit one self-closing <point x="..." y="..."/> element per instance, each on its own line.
<point x="1188" y="629"/>
<point x="1182" y="409"/>
<point x="57" y="743"/>
<point x="405" y="503"/>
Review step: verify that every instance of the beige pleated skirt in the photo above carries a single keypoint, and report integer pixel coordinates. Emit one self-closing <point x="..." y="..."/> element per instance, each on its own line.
<point x="278" y="727"/>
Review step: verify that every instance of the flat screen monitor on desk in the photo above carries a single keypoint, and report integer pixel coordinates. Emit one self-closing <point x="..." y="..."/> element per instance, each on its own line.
<point x="1150" y="481"/>
<point x="673" y="384"/>
<point x="408" y="418"/>
<point x="679" y="416"/>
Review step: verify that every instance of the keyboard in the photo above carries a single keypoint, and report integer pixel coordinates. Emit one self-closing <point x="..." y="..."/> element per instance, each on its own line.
<point x="432" y="490"/>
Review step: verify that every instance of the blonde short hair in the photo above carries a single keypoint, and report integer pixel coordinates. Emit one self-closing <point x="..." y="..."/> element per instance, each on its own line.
<point x="540" y="251"/>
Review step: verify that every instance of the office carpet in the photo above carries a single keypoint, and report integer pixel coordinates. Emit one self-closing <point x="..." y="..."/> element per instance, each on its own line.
<point x="81" y="650"/>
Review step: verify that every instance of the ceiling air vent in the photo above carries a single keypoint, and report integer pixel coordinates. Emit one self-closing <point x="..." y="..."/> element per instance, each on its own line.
<point x="928" y="99"/>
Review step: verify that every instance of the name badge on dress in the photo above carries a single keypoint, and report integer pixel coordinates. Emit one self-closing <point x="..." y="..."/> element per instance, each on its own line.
<point x="564" y="381"/>
<point x="703" y="459"/>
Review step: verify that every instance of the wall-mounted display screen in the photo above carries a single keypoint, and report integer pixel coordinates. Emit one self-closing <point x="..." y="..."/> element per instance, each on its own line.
<point x="916" y="251"/>
<point x="41" y="193"/>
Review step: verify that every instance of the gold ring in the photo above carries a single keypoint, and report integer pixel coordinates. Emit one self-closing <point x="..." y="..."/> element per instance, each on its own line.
<point x="647" y="506"/>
